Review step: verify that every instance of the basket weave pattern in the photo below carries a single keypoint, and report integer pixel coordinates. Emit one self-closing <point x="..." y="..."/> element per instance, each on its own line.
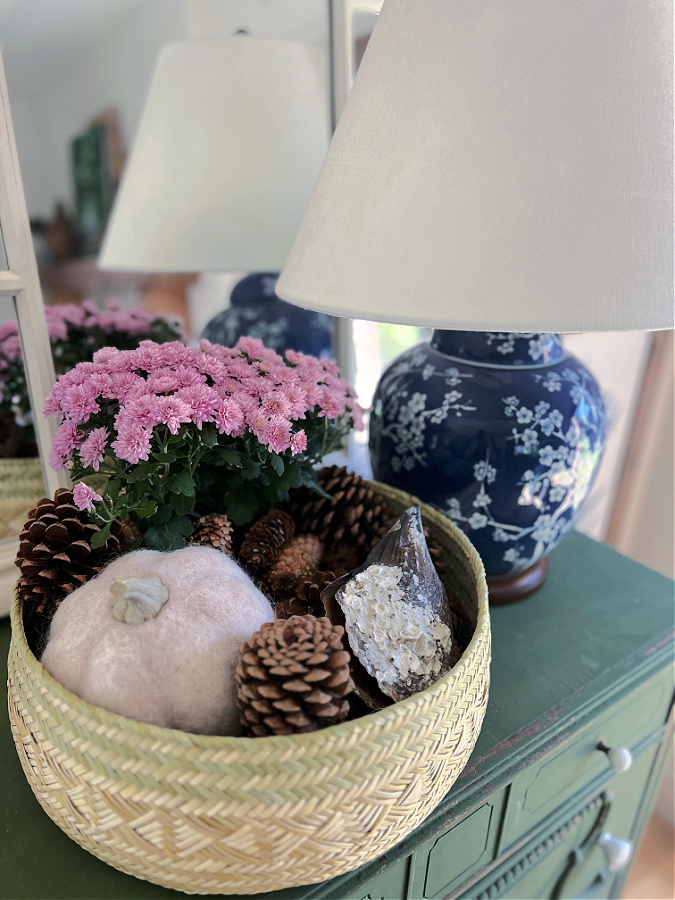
<point x="208" y="814"/>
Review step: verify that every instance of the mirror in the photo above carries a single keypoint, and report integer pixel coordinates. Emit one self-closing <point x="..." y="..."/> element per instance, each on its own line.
<point x="78" y="74"/>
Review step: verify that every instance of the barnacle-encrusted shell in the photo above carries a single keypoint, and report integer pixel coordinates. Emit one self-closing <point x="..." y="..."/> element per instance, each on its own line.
<point x="396" y="615"/>
<point x="135" y="600"/>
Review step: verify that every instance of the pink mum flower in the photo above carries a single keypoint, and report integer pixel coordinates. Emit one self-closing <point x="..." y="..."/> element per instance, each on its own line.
<point x="298" y="442"/>
<point x="277" y="434"/>
<point x="79" y="402"/>
<point x="105" y="355"/>
<point x="173" y="412"/>
<point x="133" y="443"/>
<point x="275" y="403"/>
<point x="144" y="409"/>
<point x="67" y="438"/>
<point x="202" y="401"/>
<point x="84" y="497"/>
<point x="229" y="417"/>
<point x="332" y="403"/>
<point x="93" y="448"/>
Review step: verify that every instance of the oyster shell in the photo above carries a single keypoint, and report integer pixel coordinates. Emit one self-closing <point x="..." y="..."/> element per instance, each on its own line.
<point x="396" y="615"/>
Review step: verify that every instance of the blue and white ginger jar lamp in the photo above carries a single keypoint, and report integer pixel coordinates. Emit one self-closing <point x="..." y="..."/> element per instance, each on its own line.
<point x="502" y="432"/>
<point x="516" y="174"/>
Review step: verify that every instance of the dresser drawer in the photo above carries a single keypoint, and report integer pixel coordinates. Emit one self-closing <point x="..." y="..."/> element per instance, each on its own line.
<point x="567" y="860"/>
<point x="537" y="792"/>
<point x="392" y="884"/>
<point x="451" y="858"/>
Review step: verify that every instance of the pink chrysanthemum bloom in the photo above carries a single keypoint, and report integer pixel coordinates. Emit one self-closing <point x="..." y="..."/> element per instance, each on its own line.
<point x="105" y="355"/>
<point x="332" y="403"/>
<point x="173" y="413"/>
<point x="144" y="409"/>
<point x="101" y="383"/>
<point x="133" y="443"/>
<point x="313" y="395"/>
<point x="214" y="368"/>
<point x="296" y="395"/>
<point x="124" y="384"/>
<point x="67" y="438"/>
<point x="258" y="423"/>
<point x="84" y="497"/>
<point x="284" y="375"/>
<point x="162" y="384"/>
<point x="56" y="326"/>
<point x="277" y="434"/>
<point x="252" y="347"/>
<point x="79" y="402"/>
<point x="357" y="414"/>
<point x="298" y="442"/>
<point x="230" y="417"/>
<point x="8" y="328"/>
<point x="275" y="403"/>
<point x="188" y="377"/>
<point x="249" y="403"/>
<point x="202" y="401"/>
<point x="176" y="354"/>
<point x="11" y="347"/>
<point x="93" y="448"/>
<point x="148" y="356"/>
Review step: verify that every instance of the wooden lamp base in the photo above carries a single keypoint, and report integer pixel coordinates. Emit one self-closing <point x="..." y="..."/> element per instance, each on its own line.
<point x="517" y="587"/>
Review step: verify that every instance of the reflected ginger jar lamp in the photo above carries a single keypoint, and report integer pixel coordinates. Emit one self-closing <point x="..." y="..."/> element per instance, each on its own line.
<point x="500" y="167"/>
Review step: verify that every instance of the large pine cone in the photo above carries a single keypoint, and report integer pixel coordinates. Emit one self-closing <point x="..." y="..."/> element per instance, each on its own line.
<point x="55" y="554"/>
<point x="215" y="531"/>
<point x="265" y="540"/>
<point x="293" y="676"/>
<point x="356" y="515"/>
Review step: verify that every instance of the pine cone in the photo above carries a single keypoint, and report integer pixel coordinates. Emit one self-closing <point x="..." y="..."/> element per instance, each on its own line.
<point x="215" y="531"/>
<point x="307" y="600"/>
<point x="356" y="515"/>
<point x="265" y="540"/>
<point x="293" y="676"/>
<point x="298" y="560"/>
<point x="55" y="554"/>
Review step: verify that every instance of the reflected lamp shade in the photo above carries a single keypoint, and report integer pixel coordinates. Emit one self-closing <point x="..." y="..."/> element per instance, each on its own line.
<point x="502" y="172"/>
<point x="231" y="140"/>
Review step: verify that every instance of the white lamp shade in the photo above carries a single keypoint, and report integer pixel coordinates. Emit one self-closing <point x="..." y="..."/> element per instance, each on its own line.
<point x="231" y="140"/>
<point x="500" y="165"/>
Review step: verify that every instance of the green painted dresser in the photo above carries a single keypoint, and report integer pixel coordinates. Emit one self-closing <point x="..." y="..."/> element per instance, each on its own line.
<point x="541" y="811"/>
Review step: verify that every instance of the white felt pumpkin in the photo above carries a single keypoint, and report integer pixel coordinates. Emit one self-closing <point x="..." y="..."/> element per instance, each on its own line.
<point x="175" y="668"/>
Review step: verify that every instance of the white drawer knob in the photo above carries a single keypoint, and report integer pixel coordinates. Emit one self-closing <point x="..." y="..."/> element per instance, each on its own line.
<point x="617" y="851"/>
<point x="620" y="758"/>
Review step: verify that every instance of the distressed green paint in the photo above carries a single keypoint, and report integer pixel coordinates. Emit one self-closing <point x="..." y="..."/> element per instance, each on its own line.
<point x="566" y="662"/>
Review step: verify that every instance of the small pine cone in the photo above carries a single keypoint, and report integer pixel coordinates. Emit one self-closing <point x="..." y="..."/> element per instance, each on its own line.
<point x="435" y="553"/>
<point x="130" y="533"/>
<point x="55" y="554"/>
<point x="293" y="676"/>
<point x="214" y="531"/>
<point x="356" y="514"/>
<point x="296" y="563"/>
<point x="307" y="601"/>
<point x="266" y="539"/>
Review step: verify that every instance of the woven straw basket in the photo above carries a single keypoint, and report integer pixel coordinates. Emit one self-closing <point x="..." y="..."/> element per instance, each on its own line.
<point x="209" y="815"/>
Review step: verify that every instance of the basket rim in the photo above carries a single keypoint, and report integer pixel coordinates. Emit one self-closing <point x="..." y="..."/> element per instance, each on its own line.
<point x="214" y="742"/>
